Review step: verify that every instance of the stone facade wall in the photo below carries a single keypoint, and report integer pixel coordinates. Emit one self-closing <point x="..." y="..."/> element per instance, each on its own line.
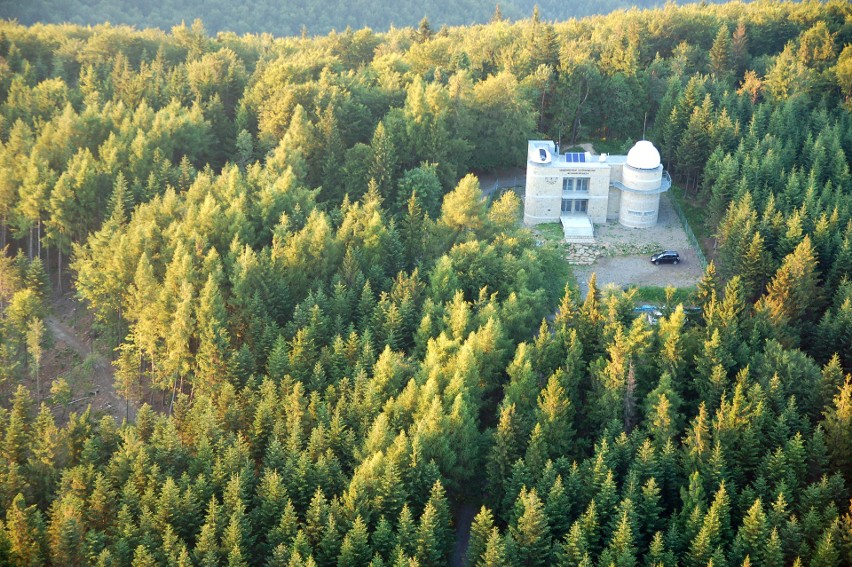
<point x="544" y="189"/>
<point x="640" y="210"/>
<point x="543" y="199"/>
<point x="598" y="194"/>
<point x="614" y="204"/>
<point x="642" y="179"/>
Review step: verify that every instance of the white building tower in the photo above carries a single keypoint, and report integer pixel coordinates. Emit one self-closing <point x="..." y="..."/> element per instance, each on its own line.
<point x="580" y="190"/>
<point x="641" y="185"/>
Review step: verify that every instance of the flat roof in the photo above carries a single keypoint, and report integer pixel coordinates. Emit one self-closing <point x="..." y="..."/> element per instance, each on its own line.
<point x="582" y="160"/>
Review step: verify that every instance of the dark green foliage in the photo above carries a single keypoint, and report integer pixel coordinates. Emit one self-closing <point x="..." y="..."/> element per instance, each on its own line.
<point x="356" y="348"/>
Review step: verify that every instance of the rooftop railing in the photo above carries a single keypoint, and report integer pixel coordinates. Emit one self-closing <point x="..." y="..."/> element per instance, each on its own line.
<point x="665" y="185"/>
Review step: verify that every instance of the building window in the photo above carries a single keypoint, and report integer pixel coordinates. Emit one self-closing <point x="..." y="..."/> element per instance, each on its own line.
<point x="575" y="205"/>
<point x="580" y="184"/>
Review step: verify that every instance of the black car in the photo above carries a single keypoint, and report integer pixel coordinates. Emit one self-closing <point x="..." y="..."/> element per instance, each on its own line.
<point x="665" y="257"/>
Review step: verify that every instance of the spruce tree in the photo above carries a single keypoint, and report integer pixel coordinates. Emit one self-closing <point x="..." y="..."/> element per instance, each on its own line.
<point x="838" y="429"/>
<point x="532" y="534"/>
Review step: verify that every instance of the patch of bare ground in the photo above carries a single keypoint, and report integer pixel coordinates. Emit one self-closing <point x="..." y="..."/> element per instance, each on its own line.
<point x="74" y="357"/>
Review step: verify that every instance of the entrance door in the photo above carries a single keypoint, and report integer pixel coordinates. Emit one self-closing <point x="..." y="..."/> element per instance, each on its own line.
<point x="575" y="205"/>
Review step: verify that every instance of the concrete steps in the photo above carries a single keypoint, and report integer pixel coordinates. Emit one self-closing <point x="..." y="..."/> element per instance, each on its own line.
<point x="577" y="227"/>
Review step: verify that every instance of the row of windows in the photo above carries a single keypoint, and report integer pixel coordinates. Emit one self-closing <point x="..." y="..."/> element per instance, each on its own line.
<point x="575" y="184"/>
<point x="575" y="205"/>
<point x="640" y="213"/>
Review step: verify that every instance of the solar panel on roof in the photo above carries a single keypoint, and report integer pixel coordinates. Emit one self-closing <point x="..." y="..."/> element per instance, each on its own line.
<point x="575" y="157"/>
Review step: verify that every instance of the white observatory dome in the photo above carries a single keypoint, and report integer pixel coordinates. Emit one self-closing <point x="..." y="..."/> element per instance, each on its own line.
<point x="643" y="156"/>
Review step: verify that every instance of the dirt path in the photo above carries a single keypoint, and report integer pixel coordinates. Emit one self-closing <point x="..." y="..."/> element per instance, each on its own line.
<point x="65" y="335"/>
<point x="102" y="396"/>
<point x="464" y="516"/>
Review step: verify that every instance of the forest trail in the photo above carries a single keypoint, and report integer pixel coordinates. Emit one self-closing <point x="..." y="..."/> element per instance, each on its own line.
<point x="102" y="395"/>
<point x="66" y="335"/>
<point x="464" y="516"/>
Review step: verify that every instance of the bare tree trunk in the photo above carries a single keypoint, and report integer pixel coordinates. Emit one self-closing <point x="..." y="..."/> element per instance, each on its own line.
<point x="174" y="393"/>
<point x="118" y="337"/>
<point x="38" y="241"/>
<point x="575" y="124"/>
<point x="139" y="375"/>
<point x="59" y="270"/>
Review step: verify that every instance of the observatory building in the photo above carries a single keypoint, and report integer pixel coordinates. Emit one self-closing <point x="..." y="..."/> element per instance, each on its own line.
<point x="581" y="190"/>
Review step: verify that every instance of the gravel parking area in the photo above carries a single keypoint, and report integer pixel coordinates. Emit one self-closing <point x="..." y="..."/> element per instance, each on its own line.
<point x="625" y="254"/>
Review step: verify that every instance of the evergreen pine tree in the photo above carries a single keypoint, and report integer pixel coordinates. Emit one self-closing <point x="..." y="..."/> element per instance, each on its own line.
<point x="532" y="534"/>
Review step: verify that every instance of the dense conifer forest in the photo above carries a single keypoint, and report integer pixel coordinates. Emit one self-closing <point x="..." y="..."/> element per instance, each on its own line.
<point x="287" y="17"/>
<point x="333" y="348"/>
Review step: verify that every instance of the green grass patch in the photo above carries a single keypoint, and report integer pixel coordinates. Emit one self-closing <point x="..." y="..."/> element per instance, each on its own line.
<point x="657" y="295"/>
<point x="551" y="232"/>
<point x="693" y="210"/>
